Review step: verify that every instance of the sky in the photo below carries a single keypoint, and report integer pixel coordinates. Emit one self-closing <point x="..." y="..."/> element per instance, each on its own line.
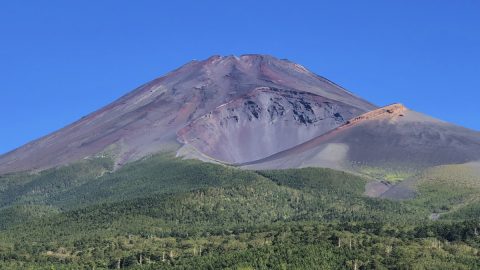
<point x="60" y="60"/>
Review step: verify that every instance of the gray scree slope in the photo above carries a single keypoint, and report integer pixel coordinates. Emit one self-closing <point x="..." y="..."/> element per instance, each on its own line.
<point x="391" y="137"/>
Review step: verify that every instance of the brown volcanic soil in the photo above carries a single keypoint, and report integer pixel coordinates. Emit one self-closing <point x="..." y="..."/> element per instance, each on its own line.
<point x="390" y="137"/>
<point x="147" y="120"/>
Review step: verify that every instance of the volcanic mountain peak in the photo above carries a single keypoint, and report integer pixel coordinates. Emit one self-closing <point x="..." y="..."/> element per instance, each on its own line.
<point x="147" y="120"/>
<point x="250" y="108"/>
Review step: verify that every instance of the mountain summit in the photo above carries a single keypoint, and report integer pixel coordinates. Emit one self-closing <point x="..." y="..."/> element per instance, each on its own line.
<point x="230" y="109"/>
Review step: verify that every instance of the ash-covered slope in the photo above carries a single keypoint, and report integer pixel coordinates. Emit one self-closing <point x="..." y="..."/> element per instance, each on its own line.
<point x="392" y="137"/>
<point x="147" y="120"/>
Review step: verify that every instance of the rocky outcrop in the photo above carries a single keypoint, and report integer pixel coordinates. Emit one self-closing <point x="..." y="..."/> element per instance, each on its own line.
<point x="390" y="112"/>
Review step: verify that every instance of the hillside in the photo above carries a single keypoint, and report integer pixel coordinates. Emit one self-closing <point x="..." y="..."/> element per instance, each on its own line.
<point x="166" y="212"/>
<point x="392" y="139"/>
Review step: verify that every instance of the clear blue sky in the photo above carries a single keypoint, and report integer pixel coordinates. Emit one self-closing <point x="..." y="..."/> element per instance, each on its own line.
<point x="60" y="60"/>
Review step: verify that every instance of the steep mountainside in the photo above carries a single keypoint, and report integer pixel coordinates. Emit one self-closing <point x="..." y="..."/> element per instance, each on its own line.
<point x="392" y="137"/>
<point x="266" y="121"/>
<point x="147" y="120"/>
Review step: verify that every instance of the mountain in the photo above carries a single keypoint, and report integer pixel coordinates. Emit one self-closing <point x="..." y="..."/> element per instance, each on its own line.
<point x="392" y="138"/>
<point x="122" y="188"/>
<point x="257" y="112"/>
<point x="233" y="109"/>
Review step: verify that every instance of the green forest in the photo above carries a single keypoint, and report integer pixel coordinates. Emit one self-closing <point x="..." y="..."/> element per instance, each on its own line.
<point x="166" y="213"/>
